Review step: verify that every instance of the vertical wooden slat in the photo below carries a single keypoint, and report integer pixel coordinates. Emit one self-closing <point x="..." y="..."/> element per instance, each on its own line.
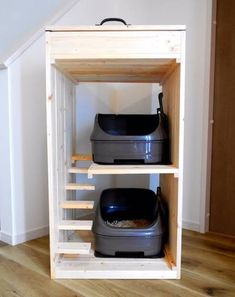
<point x="51" y="144"/>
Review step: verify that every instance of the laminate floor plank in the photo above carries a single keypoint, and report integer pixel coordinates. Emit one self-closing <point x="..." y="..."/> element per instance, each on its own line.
<point x="40" y="244"/>
<point x="99" y="288"/>
<point x="32" y="259"/>
<point x="224" y="245"/>
<point x="211" y="265"/>
<point x="202" y="286"/>
<point x="17" y="280"/>
<point x="215" y="239"/>
<point x="156" y="288"/>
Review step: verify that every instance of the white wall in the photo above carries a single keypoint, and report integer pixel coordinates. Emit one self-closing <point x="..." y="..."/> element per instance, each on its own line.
<point x="28" y="132"/>
<point x="27" y="101"/>
<point x="20" y="19"/>
<point x="6" y="224"/>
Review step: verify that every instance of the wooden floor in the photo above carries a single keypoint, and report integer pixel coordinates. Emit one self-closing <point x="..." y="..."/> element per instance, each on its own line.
<point x="208" y="269"/>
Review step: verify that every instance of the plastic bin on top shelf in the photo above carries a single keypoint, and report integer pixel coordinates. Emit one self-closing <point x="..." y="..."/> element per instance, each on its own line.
<point x="130" y="139"/>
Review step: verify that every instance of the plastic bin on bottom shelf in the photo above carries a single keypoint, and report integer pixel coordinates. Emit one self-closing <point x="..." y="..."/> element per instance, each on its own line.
<point x="130" y="222"/>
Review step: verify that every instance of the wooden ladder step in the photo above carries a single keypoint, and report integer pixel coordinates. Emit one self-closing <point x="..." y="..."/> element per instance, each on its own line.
<point x="82" y="248"/>
<point x="81" y="157"/>
<point x="77" y="204"/>
<point x="78" y="170"/>
<point x="74" y="186"/>
<point x="75" y="225"/>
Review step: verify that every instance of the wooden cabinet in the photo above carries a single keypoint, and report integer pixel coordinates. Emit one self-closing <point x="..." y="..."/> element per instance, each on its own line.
<point x="109" y="54"/>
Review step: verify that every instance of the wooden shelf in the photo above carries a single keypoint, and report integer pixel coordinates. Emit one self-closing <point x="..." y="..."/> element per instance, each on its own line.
<point x="81" y="157"/>
<point x="73" y="186"/>
<point x="75" y="225"/>
<point x="88" y="266"/>
<point x="74" y="204"/>
<point x="112" y="70"/>
<point x="95" y="169"/>
<point x="80" y="170"/>
<point x="81" y="248"/>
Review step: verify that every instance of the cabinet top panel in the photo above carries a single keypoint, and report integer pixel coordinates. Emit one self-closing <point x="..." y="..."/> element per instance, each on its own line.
<point x="116" y="28"/>
<point x="115" y="53"/>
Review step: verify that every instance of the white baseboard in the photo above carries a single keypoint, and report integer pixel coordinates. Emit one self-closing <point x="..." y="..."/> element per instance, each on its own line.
<point x="5" y="237"/>
<point x="191" y="226"/>
<point x="20" y="238"/>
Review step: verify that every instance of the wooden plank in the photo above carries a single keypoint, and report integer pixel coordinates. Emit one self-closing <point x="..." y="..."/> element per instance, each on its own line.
<point x="73" y="248"/>
<point x="172" y="188"/>
<point x="95" y="169"/>
<point x="51" y="131"/>
<point x="75" y="225"/>
<point x="82" y="157"/>
<point x="40" y="244"/>
<point x="171" y="102"/>
<point x="169" y="187"/>
<point x="117" y="28"/>
<point x="73" y="186"/>
<point x="169" y="71"/>
<point x="225" y="244"/>
<point x="33" y="259"/>
<point x="100" y="64"/>
<point x="111" y="70"/>
<point x="88" y="266"/>
<point x="168" y="257"/>
<point x="124" y="78"/>
<point x="77" y="204"/>
<point x="203" y="260"/>
<point x="78" y="170"/>
<point x="27" y="282"/>
<point x="120" y="45"/>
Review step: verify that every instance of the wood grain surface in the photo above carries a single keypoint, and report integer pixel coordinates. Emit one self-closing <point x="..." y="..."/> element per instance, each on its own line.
<point x="207" y="270"/>
<point x="222" y="210"/>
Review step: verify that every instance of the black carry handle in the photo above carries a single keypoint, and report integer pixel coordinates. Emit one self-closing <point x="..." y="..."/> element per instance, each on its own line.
<point x="160" y="96"/>
<point x="112" y="20"/>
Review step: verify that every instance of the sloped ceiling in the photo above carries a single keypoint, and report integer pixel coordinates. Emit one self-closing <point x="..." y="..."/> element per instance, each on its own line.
<point x="19" y="20"/>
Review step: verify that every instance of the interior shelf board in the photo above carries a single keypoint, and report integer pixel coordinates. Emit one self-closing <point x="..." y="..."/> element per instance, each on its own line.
<point x="75" y="225"/>
<point x="74" y="186"/>
<point x="116" y="70"/>
<point x="73" y="248"/>
<point x="74" y="204"/>
<point x="131" y="169"/>
<point x="88" y="266"/>
<point x="82" y="157"/>
<point x="81" y="170"/>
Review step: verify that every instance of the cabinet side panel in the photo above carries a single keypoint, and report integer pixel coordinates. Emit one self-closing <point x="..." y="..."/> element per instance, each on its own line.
<point x="169" y="187"/>
<point x="68" y="112"/>
<point x="52" y="176"/>
<point x="169" y="183"/>
<point x="64" y="142"/>
<point x="171" y="103"/>
<point x="60" y="93"/>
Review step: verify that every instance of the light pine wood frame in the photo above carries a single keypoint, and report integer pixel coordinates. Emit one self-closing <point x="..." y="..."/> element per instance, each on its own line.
<point x="121" y="54"/>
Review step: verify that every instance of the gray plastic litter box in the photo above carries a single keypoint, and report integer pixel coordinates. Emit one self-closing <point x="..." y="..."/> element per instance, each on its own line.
<point x="130" y="204"/>
<point x="130" y="139"/>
